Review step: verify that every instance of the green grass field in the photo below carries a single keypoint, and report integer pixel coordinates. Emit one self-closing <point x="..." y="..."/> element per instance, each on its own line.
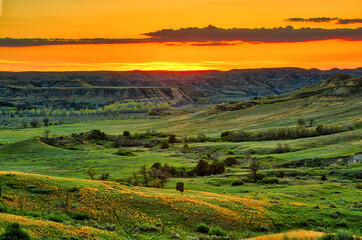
<point x="37" y="178"/>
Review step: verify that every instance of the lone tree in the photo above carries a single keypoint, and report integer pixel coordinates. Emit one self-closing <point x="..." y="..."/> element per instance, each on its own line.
<point x="180" y="187"/>
<point x="91" y="172"/>
<point x="46" y="121"/>
<point x="46" y="133"/>
<point x="14" y="231"/>
<point x="254" y="167"/>
<point x="143" y="172"/>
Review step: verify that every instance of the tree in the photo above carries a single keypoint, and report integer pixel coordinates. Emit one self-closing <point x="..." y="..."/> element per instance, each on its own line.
<point x="254" y="167"/>
<point x="180" y="187"/>
<point x="217" y="167"/>
<point x="143" y="172"/>
<point x="34" y="123"/>
<point x="15" y="232"/>
<point x="46" y="121"/>
<point x="91" y="172"/>
<point x="311" y="122"/>
<point x="46" y="133"/>
<point x="202" y="168"/>
<point x="301" y="122"/>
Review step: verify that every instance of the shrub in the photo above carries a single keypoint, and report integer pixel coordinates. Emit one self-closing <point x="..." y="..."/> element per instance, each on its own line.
<point x="282" y="148"/>
<point x="230" y="161"/>
<point x="14" y="231"/>
<point x="172" y="138"/>
<point x="238" y="182"/>
<point x="281" y="174"/>
<point x="122" y="142"/>
<point x="104" y="176"/>
<point x="80" y="216"/>
<point x="73" y="189"/>
<point x="124" y="152"/>
<point x="260" y="176"/>
<point x="340" y="235"/>
<point x="34" y="123"/>
<point x="270" y="180"/>
<point x="4" y="208"/>
<point x="216" y="167"/>
<point x="126" y="133"/>
<point x="165" y="145"/>
<point x="358" y="185"/>
<point x="180" y="187"/>
<point x="323" y="177"/>
<point x="202" y="168"/>
<point x="217" y="231"/>
<point x="202" y="228"/>
<point x="57" y="216"/>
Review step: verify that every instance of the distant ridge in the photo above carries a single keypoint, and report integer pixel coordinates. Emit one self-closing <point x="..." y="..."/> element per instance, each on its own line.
<point x="175" y="88"/>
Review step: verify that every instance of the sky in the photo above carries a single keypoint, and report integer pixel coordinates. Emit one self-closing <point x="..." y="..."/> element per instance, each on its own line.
<point x="122" y="35"/>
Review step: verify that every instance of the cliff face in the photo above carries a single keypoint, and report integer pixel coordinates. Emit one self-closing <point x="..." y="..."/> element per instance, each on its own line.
<point x="175" y="88"/>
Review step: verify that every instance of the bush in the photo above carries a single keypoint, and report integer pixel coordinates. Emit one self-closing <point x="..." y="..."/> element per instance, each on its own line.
<point x="57" y="216"/>
<point x="203" y="228"/>
<point x="230" y="161"/>
<point x="124" y="152"/>
<point x="126" y="133"/>
<point x="165" y="145"/>
<point x="358" y="185"/>
<point x="281" y="174"/>
<point x="4" y="208"/>
<point x="14" y="232"/>
<point x="80" y="216"/>
<point x="217" y="231"/>
<point x="73" y="189"/>
<point x="260" y="176"/>
<point x="340" y="235"/>
<point x="282" y="148"/>
<point x="238" y="182"/>
<point x="323" y="177"/>
<point x="270" y="180"/>
<point x="104" y="176"/>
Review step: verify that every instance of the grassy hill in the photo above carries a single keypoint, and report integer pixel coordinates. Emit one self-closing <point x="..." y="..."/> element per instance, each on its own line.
<point x="45" y="186"/>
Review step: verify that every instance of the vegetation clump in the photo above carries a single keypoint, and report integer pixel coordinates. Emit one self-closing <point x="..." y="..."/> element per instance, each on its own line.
<point x="15" y="232"/>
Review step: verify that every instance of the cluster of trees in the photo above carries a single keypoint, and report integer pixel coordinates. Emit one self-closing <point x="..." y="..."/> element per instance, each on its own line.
<point x="116" y="108"/>
<point x="282" y="133"/>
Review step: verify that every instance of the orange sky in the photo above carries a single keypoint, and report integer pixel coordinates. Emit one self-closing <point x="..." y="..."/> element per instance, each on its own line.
<point x="128" y="19"/>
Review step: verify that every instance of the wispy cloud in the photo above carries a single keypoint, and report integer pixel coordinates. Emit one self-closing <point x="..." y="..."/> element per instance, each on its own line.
<point x="208" y="36"/>
<point x="326" y="19"/>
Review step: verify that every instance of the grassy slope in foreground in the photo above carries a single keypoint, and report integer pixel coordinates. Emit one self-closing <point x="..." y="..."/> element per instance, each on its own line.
<point x="166" y="211"/>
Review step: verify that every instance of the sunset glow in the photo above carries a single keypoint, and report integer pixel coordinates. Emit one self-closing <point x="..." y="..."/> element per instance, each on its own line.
<point x="130" y="20"/>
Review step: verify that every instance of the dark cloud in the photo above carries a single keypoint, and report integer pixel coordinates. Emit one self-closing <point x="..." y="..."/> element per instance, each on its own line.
<point x="215" y="44"/>
<point x="349" y="21"/>
<point x="317" y="20"/>
<point x="27" y="42"/>
<point x="325" y="19"/>
<point x="208" y="36"/>
<point x="287" y="34"/>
